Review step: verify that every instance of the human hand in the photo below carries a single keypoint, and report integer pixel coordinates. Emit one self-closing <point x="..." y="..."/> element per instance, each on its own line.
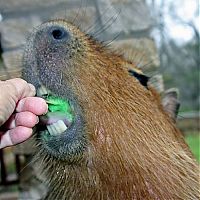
<point x="19" y="111"/>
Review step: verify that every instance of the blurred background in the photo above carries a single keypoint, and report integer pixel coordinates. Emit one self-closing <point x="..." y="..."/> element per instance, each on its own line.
<point x="160" y="36"/>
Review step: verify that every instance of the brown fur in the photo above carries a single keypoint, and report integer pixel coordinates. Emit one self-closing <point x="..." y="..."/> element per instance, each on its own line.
<point x="134" y="151"/>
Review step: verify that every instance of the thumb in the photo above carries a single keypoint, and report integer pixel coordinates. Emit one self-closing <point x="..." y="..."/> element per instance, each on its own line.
<point x="11" y="91"/>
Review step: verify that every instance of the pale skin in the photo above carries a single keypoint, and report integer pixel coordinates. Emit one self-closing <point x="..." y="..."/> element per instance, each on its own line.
<point x="19" y="111"/>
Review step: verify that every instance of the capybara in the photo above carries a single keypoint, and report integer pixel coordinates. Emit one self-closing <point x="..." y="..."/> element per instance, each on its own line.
<point x="106" y="135"/>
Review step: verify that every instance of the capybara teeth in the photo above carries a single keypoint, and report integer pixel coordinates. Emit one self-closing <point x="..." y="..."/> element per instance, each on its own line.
<point x="57" y="128"/>
<point x="52" y="130"/>
<point x="60" y="126"/>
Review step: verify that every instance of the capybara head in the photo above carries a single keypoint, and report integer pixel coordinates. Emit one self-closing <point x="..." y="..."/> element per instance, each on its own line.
<point x="106" y="135"/>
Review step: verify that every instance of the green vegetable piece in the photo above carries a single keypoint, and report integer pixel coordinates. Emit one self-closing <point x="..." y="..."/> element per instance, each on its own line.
<point x="57" y="104"/>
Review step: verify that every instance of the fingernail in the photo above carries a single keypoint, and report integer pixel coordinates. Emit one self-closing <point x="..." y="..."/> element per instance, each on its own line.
<point x="46" y="109"/>
<point x="37" y="120"/>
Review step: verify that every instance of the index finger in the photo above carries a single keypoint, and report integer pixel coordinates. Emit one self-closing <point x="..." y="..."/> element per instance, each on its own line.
<point x="36" y="105"/>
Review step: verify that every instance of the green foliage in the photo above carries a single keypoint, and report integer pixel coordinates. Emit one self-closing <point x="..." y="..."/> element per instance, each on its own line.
<point x="193" y="140"/>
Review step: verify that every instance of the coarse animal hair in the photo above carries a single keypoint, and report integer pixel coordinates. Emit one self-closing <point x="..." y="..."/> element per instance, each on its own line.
<point x="133" y="148"/>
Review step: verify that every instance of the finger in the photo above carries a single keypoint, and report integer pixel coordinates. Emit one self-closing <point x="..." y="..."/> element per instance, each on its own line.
<point x="26" y="119"/>
<point x="15" y="136"/>
<point x="11" y="92"/>
<point x="35" y="105"/>
<point x="22" y="88"/>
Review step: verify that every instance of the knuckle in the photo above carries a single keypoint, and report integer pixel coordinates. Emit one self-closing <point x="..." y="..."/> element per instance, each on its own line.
<point x="22" y="81"/>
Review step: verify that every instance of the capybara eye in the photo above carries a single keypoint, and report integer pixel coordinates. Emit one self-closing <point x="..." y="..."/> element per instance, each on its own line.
<point x="59" y="33"/>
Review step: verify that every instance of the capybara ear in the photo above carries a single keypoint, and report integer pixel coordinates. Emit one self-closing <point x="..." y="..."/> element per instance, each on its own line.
<point x="171" y="103"/>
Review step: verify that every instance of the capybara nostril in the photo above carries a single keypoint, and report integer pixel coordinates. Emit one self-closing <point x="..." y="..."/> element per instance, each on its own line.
<point x="59" y="33"/>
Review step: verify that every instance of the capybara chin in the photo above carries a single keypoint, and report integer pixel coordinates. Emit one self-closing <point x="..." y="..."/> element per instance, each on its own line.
<point x="106" y="135"/>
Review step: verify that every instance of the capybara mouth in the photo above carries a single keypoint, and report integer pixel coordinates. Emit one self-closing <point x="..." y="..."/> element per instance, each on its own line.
<point x="60" y="129"/>
<point x="60" y="115"/>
